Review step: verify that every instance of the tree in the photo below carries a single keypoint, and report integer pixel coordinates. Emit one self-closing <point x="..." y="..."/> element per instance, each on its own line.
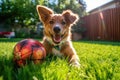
<point x="18" y="11"/>
<point x="23" y="12"/>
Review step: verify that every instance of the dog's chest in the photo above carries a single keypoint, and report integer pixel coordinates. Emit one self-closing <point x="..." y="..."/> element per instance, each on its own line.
<point x="56" y="51"/>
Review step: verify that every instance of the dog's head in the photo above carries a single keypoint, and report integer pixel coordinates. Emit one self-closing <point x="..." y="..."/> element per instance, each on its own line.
<point x="56" y="26"/>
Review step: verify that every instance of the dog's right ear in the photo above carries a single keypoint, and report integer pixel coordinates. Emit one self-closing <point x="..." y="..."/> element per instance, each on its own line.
<point x="44" y="13"/>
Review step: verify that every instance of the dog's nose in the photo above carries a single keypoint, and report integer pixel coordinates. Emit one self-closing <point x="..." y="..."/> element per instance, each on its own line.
<point x="56" y="29"/>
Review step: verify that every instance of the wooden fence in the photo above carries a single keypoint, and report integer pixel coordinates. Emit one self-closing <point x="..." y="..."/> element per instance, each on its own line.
<point x="104" y="25"/>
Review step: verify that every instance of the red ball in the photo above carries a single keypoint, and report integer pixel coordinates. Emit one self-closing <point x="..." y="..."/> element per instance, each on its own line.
<point x="28" y="50"/>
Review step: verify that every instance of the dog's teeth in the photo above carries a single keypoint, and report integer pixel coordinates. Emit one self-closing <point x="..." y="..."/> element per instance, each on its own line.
<point x="57" y="38"/>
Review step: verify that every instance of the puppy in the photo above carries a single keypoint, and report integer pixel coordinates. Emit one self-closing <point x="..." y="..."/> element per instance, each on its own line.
<point x="57" y="33"/>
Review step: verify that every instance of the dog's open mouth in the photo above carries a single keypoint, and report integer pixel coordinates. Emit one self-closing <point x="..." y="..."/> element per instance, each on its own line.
<point x="57" y="38"/>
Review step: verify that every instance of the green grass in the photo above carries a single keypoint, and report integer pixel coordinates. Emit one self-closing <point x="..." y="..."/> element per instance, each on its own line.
<point x="99" y="61"/>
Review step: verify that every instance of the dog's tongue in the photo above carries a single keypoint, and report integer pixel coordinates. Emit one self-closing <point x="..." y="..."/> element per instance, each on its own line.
<point x="57" y="38"/>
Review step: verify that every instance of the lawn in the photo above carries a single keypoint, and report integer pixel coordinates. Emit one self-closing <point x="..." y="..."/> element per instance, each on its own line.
<point x="99" y="61"/>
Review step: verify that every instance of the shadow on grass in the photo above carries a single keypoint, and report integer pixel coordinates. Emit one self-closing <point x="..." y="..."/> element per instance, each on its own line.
<point x="14" y="39"/>
<point x="101" y="42"/>
<point x="82" y="41"/>
<point x="9" y="71"/>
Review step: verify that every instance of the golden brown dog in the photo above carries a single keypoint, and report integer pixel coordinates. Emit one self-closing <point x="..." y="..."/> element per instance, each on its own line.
<point x="57" y="33"/>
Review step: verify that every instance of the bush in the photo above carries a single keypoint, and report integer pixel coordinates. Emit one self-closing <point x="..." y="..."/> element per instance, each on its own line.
<point x="22" y="33"/>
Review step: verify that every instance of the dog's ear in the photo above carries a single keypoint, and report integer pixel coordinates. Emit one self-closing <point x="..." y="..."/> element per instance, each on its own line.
<point x="44" y="13"/>
<point x="70" y="17"/>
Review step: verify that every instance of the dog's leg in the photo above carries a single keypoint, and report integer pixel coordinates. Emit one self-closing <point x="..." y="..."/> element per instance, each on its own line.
<point x="69" y="52"/>
<point x="74" y="60"/>
<point x="47" y="46"/>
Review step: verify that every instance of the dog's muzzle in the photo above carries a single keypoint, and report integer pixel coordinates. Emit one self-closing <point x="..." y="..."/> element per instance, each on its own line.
<point x="56" y="29"/>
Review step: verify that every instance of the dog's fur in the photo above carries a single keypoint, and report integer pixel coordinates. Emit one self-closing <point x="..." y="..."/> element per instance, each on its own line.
<point x="61" y="36"/>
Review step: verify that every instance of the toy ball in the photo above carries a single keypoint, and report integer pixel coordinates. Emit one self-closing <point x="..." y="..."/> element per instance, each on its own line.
<point x="28" y="50"/>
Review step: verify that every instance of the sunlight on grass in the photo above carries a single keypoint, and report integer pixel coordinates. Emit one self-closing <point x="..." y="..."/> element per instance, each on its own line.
<point x="99" y="61"/>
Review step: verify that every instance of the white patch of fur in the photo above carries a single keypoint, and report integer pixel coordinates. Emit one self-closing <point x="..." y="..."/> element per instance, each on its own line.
<point x="57" y="52"/>
<point x="58" y="25"/>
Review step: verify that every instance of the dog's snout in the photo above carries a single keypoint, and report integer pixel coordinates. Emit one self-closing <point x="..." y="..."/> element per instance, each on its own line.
<point x="56" y="29"/>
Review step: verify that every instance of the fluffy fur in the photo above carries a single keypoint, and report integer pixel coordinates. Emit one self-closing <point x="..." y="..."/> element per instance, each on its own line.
<point x="57" y="32"/>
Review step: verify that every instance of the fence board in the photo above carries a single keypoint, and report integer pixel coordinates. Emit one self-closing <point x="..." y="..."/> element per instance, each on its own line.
<point x="103" y="25"/>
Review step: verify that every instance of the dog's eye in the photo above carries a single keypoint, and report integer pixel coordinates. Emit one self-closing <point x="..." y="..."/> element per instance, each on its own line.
<point x="51" y="22"/>
<point x="63" y="22"/>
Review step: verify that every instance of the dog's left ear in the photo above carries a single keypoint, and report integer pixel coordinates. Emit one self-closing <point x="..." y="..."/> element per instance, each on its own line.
<point x="70" y="17"/>
<point x="44" y="13"/>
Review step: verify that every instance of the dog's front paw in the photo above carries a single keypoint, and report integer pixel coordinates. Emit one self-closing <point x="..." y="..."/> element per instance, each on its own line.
<point x="75" y="64"/>
<point x="74" y="61"/>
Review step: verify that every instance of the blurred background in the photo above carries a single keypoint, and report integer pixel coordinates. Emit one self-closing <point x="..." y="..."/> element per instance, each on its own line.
<point x="19" y="18"/>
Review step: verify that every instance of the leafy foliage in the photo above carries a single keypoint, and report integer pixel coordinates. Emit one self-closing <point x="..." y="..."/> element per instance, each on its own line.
<point x="23" y="12"/>
<point x="17" y="11"/>
<point x="99" y="61"/>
